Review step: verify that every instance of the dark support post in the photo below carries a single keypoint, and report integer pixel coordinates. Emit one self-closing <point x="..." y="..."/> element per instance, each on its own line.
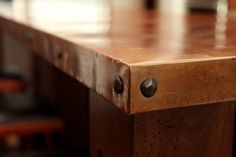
<point x="71" y="100"/>
<point x="110" y="130"/>
<point x="205" y="131"/>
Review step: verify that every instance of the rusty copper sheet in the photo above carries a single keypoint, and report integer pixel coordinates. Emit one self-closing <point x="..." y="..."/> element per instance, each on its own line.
<point x="191" y="55"/>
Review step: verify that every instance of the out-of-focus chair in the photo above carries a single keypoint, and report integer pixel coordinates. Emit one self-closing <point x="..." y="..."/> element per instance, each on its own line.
<point x="23" y="116"/>
<point x="11" y="82"/>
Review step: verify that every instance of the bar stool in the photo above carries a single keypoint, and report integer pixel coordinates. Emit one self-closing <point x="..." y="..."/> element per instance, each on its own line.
<point x="24" y="116"/>
<point x="11" y="82"/>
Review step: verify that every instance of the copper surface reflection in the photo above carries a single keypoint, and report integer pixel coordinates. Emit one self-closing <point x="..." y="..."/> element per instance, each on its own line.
<point x="220" y="31"/>
<point x="134" y="37"/>
<point x="175" y="6"/>
<point x="64" y="17"/>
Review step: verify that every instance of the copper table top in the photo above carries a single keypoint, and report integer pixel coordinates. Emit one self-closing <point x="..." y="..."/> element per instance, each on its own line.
<point x="192" y="56"/>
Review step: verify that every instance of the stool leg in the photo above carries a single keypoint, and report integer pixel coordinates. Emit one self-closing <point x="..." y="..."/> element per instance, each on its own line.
<point x="49" y="140"/>
<point x="29" y="143"/>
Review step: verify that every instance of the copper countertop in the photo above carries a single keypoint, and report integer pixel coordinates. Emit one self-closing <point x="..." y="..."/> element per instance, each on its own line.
<point x="192" y="56"/>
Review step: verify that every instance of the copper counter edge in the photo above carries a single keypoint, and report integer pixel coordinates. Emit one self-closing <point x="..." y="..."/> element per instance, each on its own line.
<point x="96" y="71"/>
<point x="184" y="84"/>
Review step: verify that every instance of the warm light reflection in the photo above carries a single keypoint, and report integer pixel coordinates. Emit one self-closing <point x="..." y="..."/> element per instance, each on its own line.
<point x="69" y="11"/>
<point x="221" y="24"/>
<point x="100" y="23"/>
<point x="222" y="7"/>
<point x="6" y="9"/>
<point x="176" y="6"/>
<point x="65" y="16"/>
<point x="172" y="30"/>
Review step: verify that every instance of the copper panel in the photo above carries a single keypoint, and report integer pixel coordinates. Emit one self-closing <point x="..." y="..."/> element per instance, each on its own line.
<point x="205" y="131"/>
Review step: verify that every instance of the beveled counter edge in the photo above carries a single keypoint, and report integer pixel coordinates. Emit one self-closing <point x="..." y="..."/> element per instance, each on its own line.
<point x="184" y="84"/>
<point x="71" y="57"/>
<point x="82" y="63"/>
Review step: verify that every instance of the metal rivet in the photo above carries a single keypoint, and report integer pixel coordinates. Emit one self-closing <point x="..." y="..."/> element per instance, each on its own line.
<point x="118" y="85"/>
<point x="59" y="53"/>
<point x="148" y="87"/>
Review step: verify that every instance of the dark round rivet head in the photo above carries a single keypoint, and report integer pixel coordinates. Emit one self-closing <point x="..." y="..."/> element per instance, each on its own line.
<point x="118" y="85"/>
<point x="59" y="55"/>
<point x="148" y="87"/>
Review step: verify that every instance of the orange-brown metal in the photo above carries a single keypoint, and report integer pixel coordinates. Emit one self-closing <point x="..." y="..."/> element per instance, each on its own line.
<point x="191" y="55"/>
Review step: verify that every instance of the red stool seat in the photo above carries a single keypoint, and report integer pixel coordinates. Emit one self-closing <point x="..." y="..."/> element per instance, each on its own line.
<point x="11" y="85"/>
<point x="11" y="82"/>
<point x="25" y="116"/>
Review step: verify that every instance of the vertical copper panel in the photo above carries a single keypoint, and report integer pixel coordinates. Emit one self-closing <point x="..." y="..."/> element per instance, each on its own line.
<point x="205" y="131"/>
<point x="110" y="130"/>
